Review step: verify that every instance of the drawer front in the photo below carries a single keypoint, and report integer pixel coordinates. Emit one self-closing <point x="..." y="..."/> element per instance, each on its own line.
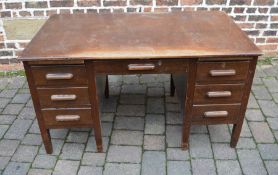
<point x="61" y="75"/>
<point x="222" y="71"/>
<point x="218" y="94"/>
<point x="214" y="114"/>
<point x="63" y="97"/>
<point x="141" y="66"/>
<point x="67" y="117"/>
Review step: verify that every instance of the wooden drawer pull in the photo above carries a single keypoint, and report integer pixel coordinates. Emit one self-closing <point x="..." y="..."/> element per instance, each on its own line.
<point x="211" y="114"/>
<point x="219" y="73"/>
<point x="66" y="118"/>
<point x="215" y="94"/>
<point x="63" y="97"/>
<point x="59" y="76"/>
<point x="141" y="67"/>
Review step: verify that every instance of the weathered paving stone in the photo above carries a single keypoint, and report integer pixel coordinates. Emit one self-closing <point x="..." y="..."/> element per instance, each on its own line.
<point x="3" y="129"/>
<point x="13" y="109"/>
<point x="200" y="146"/>
<point x="121" y="169"/>
<point x="130" y="79"/>
<point x="3" y="82"/>
<point x="177" y="154"/>
<point x="78" y="137"/>
<point x="254" y="115"/>
<point x="27" y="113"/>
<point x="171" y="107"/>
<point x="155" y="124"/>
<point x="115" y="79"/>
<point x="173" y="136"/>
<point x="30" y="103"/>
<point x="273" y="123"/>
<point x="155" y="105"/>
<point x="155" y="92"/>
<point x="66" y="167"/>
<point x="261" y="132"/>
<point x="44" y="162"/>
<point x="131" y="154"/>
<point x="268" y="151"/>
<point x="131" y="110"/>
<point x="132" y="99"/>
<point x="4" y="102"/>
<point x="24" y="91"/>
<point x="219" y="133"/>
<point x="16" y="168"/>
<point x="57" y="146"/>
<point x="228" y="167"/>
<point x="8" y="147"/>
<point x="106" y="129"/>
<point x="245" y="131"/>
<point x="25" y="153"/>
<point x="199" y="129"/>
<point x="251" y="162"/>
<point x="35" y="128"/>
<point x="8" y="93"/>
<point x="271" y="167"/>
<point x="122" y="137"/>
<point x="72" y="151"/>
<point x="223" y="151"/>
<point x="252" y="103"/>
<point x="21" y="98"/>
<point x="34" y="171"/>
<point x="257" y="81"/>
<point x="7" y="119"/>
<point x="247" y="143"/>
<point x="87" y="170"/>
<point x="109" y="104"/>
<point x="59" y="133"/>
<point x="148" y="78"/>
<point x="271" y="83"/>
<point x="154" y="163"/>
<point x="107" y="117"/>
<point x="203" y="166"/>
<point x="261" y="93"/>
<point x="93" y="159"/>
<point x="91" y="145"/>
<point x="4" y="162"/>
<point x="32" y="139"/>
<point x="269" y="108"/>
<point x="130" y="123"/>
<point x="170" y="99"/>
<point x="16" y="82"/>
<point x="154" y="142"/>
<point x="275" y="97"/>
<point x="178" y="168"/>
<point x="134" y="89"/>
<point x="18" y="129"/>
<point x="155" y="84"/>
<point x="174" y="118"/>
<point x="114" y="90"/>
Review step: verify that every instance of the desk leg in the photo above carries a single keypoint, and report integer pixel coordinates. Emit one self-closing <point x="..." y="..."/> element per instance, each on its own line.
<point x="93" y="95"/>
<point x="190" y="87"/>
<point x="106" y="91"/>
<point x="237" y="127"/>
<point x="172" y="86"/>
<point x="44" y="131"/>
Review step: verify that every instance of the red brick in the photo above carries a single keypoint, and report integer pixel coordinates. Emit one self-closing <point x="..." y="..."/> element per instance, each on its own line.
<point x="261" y="25"/>
<point x="61" y="3"/>
<point x="131" y="9"/>
<point x="4" y="14"/>
<point x="214" y="9"/>
<point x="91" y="10"/>
<point x="13" y="5"/>
<point x="79" y="11"/>
<point x="88" y="3"/>
<point x="263" y="10"/>
<point x="104" y="10"/>
<point x="24" y="13"/>
<point x="246" y="25"/>
<point x="257" y="18"/>
<point x="141" y="2"/>
<point x="272" y="40"/>
<point x="188" y="9"/>
<point x="118" y="10"/>
<point x="239" y="9"/>
<point x="114" y="2"/>
<point x="161" y="10"/>
<point x="251" y="10"/>
<point x="274" y="18"/>
<point x="240" y="2"/>
<point x="212" y="2"/>
<point x="51" y="12"/>
<point x="252" y="32"/>
<point x="176" y="9"/>
<point x="38" y="13"/>
<point x="166" y="2"/>
<point x="227" y="10"/>
<point x="263" y="2"/>
<point x="202" y="9"/>
<point x="240" y="18"/>
<point x="147" y="9"/>
<point x="268" y="47"/>
<point x="260" y="40"/>
<point x="36" y="4"/>
<point x="64" y="11"/>
<point x="274" y="10"/>
<point x="274" y="26"/>
<point x="191" y="2"/>
<point x="270" y="33"/>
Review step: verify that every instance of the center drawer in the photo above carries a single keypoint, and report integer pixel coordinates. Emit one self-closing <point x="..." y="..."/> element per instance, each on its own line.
<point x="218" y="94"/>
<point x="63" y="97"/>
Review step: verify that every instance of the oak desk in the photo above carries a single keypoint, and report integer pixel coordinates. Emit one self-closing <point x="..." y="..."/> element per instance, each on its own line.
<point x="71" y="53"/>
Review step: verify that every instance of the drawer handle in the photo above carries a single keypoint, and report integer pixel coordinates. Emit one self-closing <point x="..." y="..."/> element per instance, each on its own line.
<point x="66" y="118"/>
<point x="211" y="114"/>
<point x="215" y="94"/>
<point x="63" y="97"/>
<point x="219" y="73"/>
<point x="59" y="76"/>
<point x="141" y="67"/>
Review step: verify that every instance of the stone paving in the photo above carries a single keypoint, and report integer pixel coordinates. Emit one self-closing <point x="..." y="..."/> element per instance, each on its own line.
<point x="141" y="126"/>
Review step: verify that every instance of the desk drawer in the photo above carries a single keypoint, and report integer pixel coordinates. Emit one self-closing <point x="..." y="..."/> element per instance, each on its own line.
<point x="61" y="75"/>
<point x="63" y="97"/>
<point x="218" y="94"/>
<point x="67" y="117"/>
<point x="214" y="114"/>
<point x="222" y="71"/>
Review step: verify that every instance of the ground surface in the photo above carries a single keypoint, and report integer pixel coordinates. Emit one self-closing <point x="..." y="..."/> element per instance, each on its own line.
<point x="141" y="128"/>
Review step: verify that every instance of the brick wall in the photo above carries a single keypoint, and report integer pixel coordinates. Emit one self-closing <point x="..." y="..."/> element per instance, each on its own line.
<point x="20" y="19"/>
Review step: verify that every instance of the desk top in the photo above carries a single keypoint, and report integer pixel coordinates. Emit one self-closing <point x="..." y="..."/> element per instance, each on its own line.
<point x="141" y="35"/>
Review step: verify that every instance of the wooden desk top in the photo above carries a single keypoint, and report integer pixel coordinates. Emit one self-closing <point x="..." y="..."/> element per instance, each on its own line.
<point x="127" y="36"/>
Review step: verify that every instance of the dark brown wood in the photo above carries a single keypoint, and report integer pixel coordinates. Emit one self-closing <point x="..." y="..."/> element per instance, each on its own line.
<point x="79" y="76"/>
<point x="201" y="95"/>
<point x="44" y="131"/>
<point x="246" y="92"/>
<point x="106" y="91"/>
<point x="205" y="68"/>
<point x="81" y="93"/>
<point x="172" y="86"/>
<point x="93" y="96"/>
